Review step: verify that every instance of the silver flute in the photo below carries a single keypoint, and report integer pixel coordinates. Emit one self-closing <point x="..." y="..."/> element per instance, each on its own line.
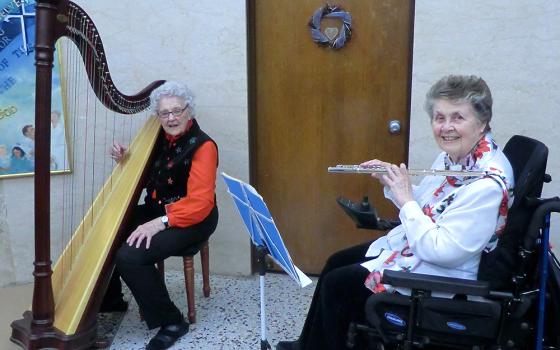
<point x="356" y="169"/>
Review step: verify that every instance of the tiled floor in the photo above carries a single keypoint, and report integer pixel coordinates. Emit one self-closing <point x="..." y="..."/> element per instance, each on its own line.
<point x="230" y="318"/>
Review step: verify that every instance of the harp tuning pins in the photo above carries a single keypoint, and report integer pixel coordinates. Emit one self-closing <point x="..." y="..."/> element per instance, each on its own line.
<point x="62" y="18"/>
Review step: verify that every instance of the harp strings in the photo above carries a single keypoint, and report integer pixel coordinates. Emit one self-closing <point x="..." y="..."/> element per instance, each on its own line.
<point x="91" y="129"/>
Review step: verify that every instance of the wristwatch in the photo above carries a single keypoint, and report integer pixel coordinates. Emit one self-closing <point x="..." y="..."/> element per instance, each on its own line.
<point x="165" y="221"/>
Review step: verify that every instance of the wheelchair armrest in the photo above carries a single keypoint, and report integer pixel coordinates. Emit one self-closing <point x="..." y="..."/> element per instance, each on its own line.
<point x="364" y="215"/>
<point x="420" y="281"/>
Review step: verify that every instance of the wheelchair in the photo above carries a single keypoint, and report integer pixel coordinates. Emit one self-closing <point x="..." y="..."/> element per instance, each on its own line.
<point x="514" y="303"/>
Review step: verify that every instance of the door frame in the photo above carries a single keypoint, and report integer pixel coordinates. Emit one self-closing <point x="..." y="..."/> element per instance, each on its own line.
<point x="252" y="98"/>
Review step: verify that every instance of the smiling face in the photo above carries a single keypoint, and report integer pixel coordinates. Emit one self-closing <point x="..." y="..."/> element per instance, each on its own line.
<point x="456" y="128"/>
<point x="172" y="124"/>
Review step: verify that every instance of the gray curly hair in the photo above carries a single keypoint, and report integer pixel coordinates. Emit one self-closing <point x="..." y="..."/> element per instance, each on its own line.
<point x="463" y="88"/>
<point x="172" y="89"/>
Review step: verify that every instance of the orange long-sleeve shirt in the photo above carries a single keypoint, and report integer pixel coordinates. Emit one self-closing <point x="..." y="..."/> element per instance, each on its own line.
<point x="201" y="187"/>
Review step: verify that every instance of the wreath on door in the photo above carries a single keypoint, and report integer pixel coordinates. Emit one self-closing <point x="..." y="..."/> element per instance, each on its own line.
<point x="332" y="37"/>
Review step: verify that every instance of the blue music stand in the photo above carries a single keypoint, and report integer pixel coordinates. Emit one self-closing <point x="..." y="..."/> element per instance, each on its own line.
<point x="265" y="236"/>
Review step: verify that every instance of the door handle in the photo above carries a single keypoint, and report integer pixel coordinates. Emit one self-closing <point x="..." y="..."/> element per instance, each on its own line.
<point x="394" y="126"/>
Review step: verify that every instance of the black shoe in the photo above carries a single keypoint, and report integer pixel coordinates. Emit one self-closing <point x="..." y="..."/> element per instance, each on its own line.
<point x="115" y="306"/>
<point x="288" y="345"/>
<point x="168" y="335"/>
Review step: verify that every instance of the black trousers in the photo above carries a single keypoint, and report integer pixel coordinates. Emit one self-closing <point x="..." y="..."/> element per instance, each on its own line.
<point x="339" y="299"/>
<point x="136" y="266"/>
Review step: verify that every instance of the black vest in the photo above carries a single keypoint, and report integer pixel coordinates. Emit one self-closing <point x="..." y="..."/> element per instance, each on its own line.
<point x="168" y="176"/>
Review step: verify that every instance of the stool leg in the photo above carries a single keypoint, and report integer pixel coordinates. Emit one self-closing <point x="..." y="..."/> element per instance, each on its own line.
<point x="189" y="286"/>
<point x="204" y="257"/>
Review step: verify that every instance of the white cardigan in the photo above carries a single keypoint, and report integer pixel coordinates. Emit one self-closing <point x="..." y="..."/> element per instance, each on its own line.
<point x="452" y="245"/>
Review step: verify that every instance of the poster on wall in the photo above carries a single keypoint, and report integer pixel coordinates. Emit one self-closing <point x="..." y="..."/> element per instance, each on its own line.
<point x="17" y="95"/>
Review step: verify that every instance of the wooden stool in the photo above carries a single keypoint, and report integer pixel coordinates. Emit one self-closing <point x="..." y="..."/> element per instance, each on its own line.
<point x="188" y="268"/>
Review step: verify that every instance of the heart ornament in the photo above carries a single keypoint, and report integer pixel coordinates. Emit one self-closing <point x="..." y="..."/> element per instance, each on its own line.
<point x="331" y="32"/>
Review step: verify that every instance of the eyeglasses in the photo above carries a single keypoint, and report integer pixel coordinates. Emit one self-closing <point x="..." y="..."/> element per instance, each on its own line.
<point x="176" y="113"/>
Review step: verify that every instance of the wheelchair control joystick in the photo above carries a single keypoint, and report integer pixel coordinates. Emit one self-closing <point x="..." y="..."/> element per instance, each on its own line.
<point x="365" y="204"/>
<point x="364" y="214"/>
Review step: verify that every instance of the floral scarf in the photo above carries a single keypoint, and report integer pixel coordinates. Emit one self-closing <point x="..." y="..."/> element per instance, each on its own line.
<point x="400" y="257"/>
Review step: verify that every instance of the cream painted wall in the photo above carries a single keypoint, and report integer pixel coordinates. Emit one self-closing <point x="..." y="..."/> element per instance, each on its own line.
<point x="514" y="45"/>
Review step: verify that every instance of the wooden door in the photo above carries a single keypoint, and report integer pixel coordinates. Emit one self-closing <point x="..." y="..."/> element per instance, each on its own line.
<point x="311" y="107"/>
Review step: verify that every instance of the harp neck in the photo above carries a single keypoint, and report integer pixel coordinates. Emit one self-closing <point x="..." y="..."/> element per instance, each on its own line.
<point x="70" y="20"/>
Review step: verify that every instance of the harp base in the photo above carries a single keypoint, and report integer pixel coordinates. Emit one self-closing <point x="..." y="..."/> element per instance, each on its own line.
<point x="25" y="336"/>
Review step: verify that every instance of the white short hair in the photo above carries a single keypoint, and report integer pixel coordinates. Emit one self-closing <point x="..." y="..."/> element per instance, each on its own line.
<point x="172" y="89"/>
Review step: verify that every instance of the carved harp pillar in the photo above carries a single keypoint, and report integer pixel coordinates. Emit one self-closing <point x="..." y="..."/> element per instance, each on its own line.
<point x="66" y="300"/>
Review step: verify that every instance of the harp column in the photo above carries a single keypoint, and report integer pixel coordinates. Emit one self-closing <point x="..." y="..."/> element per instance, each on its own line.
<point x="43" y="302"/>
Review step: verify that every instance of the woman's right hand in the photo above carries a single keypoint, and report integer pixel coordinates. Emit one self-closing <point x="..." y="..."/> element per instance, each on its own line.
<point x="118" y="152"/>
<point x="376" y="163"/>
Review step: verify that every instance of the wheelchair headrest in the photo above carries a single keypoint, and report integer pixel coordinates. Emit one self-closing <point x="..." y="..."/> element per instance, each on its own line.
<point x="528" y="158"/>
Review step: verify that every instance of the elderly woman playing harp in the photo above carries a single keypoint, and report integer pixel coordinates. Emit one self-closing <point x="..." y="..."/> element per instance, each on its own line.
<point x="447" y="222"/>
<point x="179" y="210"/>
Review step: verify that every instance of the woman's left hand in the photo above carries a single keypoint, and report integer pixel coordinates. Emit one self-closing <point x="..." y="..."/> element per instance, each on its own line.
<point x="145" y="231"/>
<point x="398" y="181"/>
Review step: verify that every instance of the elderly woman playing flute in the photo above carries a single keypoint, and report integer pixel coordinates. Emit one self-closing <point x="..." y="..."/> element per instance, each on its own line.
<point x="446" y="221"/>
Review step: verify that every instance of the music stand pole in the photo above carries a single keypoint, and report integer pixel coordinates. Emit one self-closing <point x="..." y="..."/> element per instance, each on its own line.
<point x="261" y="254"/>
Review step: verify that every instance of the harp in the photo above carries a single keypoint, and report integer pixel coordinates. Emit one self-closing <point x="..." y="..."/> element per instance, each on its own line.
<point x="66" y="300"/>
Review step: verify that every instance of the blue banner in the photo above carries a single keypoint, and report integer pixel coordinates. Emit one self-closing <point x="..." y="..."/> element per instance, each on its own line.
<point x="17" y="94"/>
